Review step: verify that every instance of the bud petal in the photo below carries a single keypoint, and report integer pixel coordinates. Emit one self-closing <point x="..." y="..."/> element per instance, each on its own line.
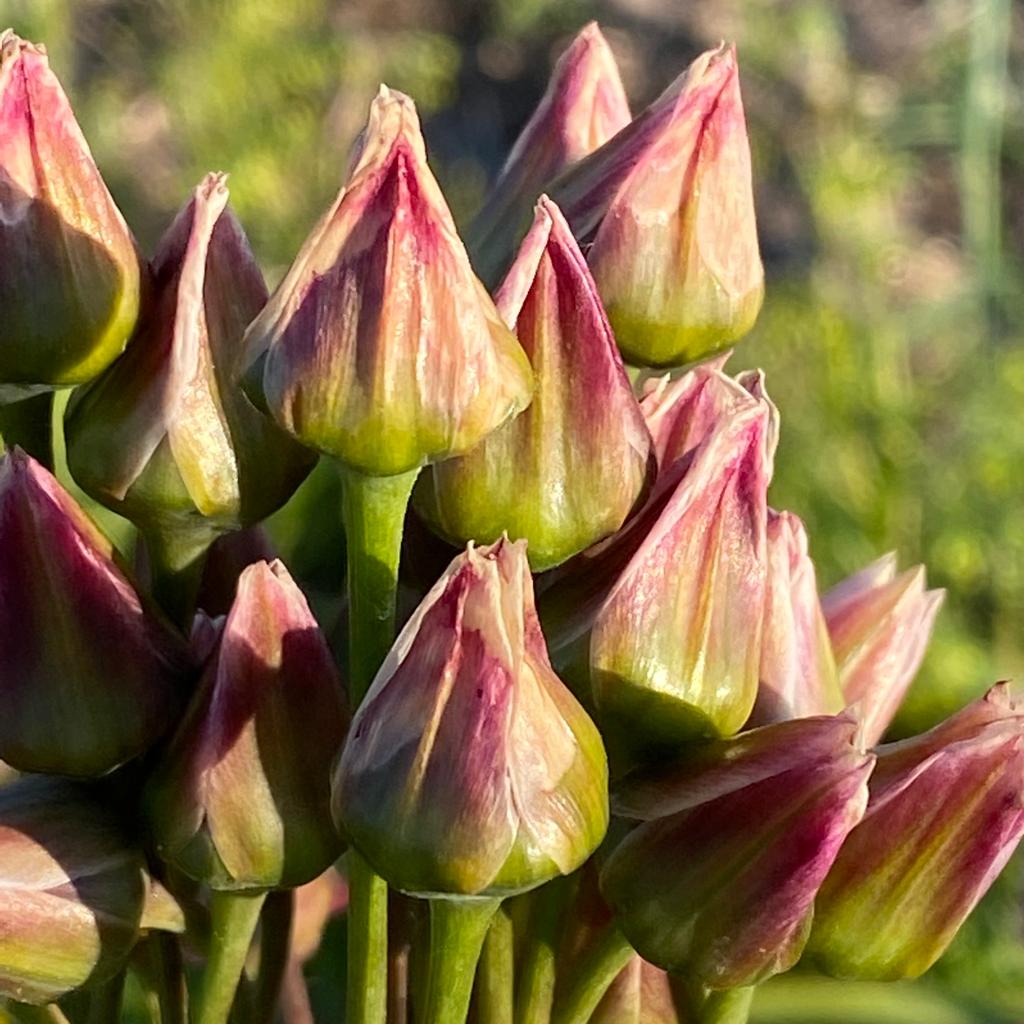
<point x="69" y="272"/>
<point x="241" y="798"/>
<point x="567" y="471"/>
<point x="721" y="889"/>
<point x="470" y="770"/>
<point x="668" y="204"/>
<point x="798" y="670"/>
<point x="583" y="107"/>
<point x="946" y="813"/>
<point x="69" y="706"/>
<point x="167" y="434"/>
<point x="381" y="346"/>
<point x="72" y="890"/>
<point x="880" y="624"/>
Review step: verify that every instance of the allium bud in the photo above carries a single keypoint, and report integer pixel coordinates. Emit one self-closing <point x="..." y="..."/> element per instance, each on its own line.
<point x="69" y="272"/>
<point x="166" y="436"/>
<point x="718" y="882"/>
<point x="71" y="704"/>
<point x="880" y="623"/>
<point x="946" y="813"/>
<point x="241" y="798"/>
<point x="798" y="670"/>
<point x="668" y="206"/>
<point x="567" y="471"/>
<point x="72" y="890"/>
<point x="470" y="770"/>
<point x="583" y="107"/>
<point x="380" y="347"/>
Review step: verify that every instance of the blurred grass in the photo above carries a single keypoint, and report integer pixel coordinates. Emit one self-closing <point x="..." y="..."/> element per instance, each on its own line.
<point x="889" y="150"/>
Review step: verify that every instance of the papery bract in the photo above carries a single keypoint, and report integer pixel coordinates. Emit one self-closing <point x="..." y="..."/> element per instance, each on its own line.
<point x="72" y="889"/>
<point x="583" y="106"/>
<point x="71" y="705"/>
<point x="381" y="347"/>
<point x="946" y="813"/>
<point x="880" y="623"/>
<point x="718" y="883"/>
<point x="241" y="797"/>
<point x="568" y="470"/>
<point x="167" y="437"/>
<point x="667" y="205"/>
<point x="470" y="769"/>
<point x="69" y="271"/>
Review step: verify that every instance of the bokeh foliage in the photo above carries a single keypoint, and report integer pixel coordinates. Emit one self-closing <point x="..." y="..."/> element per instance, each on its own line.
<point x="889" y="153"/>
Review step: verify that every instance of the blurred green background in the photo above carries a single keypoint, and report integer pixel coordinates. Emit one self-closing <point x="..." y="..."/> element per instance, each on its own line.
<point x="888" y="144"/>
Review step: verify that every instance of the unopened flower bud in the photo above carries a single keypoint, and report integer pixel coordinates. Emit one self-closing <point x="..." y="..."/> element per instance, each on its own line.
<point x="880" y="623"/>
<point x="71" y="704"/>
<point x="566" y="472"/>
<point x="241" y="798"/>
<point x="668" y="206"/>
<point x="945" y="814"/>
<point x="167" y="437"/>
<point x="470" y="770"/>
<point x="72" y="890"/>
<point x="381" y="347"/>
<point x="583" y="107"/>
<point x="69" y="271"/>
<point x="718" y="882"/>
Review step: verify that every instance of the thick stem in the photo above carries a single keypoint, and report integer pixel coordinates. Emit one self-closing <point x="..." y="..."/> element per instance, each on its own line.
<point x="105" y="1001"/>
<point x="367" y="984"/>
<point x="176" y="560"/>
<point x="275" y="944"/>
<point x="457" y="932"/>
<point x="29" y="425"/>
<point x="234" y="917"/>
<point x="496" y="973"/>
<point x="713" y="1006"/>
<point x="535" y="988"/>
<point x="598" y="969"/>
<point x="373" y="510"/>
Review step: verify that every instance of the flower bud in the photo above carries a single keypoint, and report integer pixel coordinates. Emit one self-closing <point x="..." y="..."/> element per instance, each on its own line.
<point x="70" y="705"/>
<point x="167" y="437"/>
<point x="380" y="347"/>
<point x="72" y="890"/>
<point x="583" y="107"/>
<point x="880" y="623"/>
<point x="945" y="814"/>
<point x="668" y="206"/>
<point x="718" y="883"/>
<point x="566" y="472"/>
<point x="798" y="670"/>
<point x="470" y="770"/>
<point x="241" y="798"/>
<point x="69" y="272"/>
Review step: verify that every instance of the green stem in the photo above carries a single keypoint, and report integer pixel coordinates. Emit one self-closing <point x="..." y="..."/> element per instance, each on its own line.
<point x="105" y="1001"/>
<point x="275" y="944"/>
<point x="49" y="1014"/>
<point x="535" y="989"/>
<point x="234" y="917"/>
<point x="599" y="968"/>
<point x="172" y="990"/>
<point x="367" y="984"/>
<point x="176" y="560"/>
<point x="373" y="510"/>
<point x="29" y="425"/>
<point x="457" y="932"/>
<point x="496" y="973"/>
<point x="713" y="1006"/>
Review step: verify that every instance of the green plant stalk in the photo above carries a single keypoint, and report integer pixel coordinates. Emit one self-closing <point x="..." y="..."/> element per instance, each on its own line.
<point x="457" y="932"/>
<point x="157" y="966"/>
<point x="275" y="945"/>
<point x="234" y="917"/>
<point x="105" y="1001"/>
<point x="177" y="556"/>
<point x="49" y="1014"/>
<point x="496" y="973"/>
<point x="535" y="988"/>
<point x="598" y="969"/>
<point x="29" y="425"/>
<point x="711" y="1006"/>
<point x="373" y="511"/>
